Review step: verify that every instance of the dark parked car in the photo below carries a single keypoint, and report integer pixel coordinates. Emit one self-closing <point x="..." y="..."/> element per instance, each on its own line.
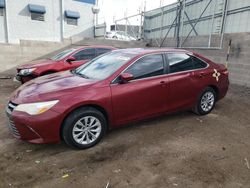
<point x="122" y="86"/>
<point x="65" y="60"/>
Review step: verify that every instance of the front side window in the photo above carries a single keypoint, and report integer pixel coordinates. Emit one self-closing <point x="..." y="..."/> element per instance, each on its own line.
<point x="100" y="51"/>
<point x="104" y="66"/>
<point x="179" y="62"/>
<point x="148" y="66"/>
<point x="85" y="54"/>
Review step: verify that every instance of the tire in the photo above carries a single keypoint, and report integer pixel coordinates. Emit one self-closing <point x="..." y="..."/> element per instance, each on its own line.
<point x="77" y="134"/>
<point x="206" y="101"/>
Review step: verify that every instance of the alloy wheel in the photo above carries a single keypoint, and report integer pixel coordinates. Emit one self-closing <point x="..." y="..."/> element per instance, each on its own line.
<point x="86" y="130"/>
<point x="207" y="101"/>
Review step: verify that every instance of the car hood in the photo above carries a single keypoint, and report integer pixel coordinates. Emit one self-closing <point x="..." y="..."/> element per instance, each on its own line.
<point x="49" y="87"/>
<point x="37" y="63"/>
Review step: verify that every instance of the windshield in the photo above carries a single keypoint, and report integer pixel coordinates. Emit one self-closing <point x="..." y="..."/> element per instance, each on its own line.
<point x="104" y="66"/>
<point x="62" y="54"/>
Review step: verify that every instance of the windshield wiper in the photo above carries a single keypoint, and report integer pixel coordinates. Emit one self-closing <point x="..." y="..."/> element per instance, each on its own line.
<point x="73" y="71"/>
<point x="83" y="75"/>
<point x="78" y="73"/>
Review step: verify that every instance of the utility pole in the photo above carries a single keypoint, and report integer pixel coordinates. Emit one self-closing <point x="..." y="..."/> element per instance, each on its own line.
<point x="6" y="25"/>
<point x="178" y="24"/>
<point x="161" y="3"/>
<point x="97" y="2"/>
<point x="62" y="20"/>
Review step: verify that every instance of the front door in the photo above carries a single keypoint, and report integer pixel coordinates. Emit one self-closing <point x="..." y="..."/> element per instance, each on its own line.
<point x="145" y="95"/>
<point x="82" y="57"/>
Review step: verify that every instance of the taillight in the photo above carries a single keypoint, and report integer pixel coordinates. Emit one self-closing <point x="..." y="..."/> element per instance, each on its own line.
<point x="225" y="72"/>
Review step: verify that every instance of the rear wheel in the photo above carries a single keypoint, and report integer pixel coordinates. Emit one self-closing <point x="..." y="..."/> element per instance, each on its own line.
<point x="84" y="128"/>
<point x="206" y="102"/>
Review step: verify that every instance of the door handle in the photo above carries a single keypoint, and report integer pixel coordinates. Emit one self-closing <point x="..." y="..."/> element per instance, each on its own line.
<point x="163" y="83"/>
<point x="201" y="74"/>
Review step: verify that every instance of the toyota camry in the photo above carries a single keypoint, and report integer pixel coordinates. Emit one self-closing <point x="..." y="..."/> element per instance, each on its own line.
<point x="65" y="60"/>
<point x="112" y="90"/>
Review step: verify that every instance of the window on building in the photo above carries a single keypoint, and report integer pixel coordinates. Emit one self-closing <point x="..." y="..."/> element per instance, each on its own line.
<point x="37" y="16"/>
<point x="1" y="11"/>
<point x="72" y="21"/>
<point x="72" y="17"/>
<point x="37" y="12"/>
<point x="148" y="66"/>
<point x="2" y="6"/>
<point x="179" y="62"/>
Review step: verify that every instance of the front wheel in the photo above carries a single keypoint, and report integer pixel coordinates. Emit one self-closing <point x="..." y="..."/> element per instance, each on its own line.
<point x="84" y="128"/>
<point x="206" y="102"/>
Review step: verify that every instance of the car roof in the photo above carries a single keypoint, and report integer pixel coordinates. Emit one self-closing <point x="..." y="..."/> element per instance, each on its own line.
<point x="143" y="51"/>
<point x="94" y="46"/>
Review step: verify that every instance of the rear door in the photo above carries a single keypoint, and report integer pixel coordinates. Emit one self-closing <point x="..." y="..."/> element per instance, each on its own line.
<point x="184" y="85"/>
<point x="145" y="95"/>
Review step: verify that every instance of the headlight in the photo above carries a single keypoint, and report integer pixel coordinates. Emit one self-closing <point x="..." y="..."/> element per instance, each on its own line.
<point x="26" y="71"/>
<point x="36" y="108"/>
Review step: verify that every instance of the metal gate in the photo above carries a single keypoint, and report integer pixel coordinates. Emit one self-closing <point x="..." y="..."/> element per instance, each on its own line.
<point x="187" y="24"/>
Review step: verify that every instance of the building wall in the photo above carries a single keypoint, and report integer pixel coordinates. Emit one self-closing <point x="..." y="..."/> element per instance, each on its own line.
<point x="21" y="27"/>
<point x="85" y="22"/>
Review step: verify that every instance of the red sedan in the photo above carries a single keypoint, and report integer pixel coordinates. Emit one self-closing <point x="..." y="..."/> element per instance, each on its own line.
<point x="122" y="86"/>
<point x="65" y="60"/>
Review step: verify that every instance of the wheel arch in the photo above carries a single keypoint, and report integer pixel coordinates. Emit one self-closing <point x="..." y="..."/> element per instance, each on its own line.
<point x="98" y="107"/>
<point x="216" y="89"/>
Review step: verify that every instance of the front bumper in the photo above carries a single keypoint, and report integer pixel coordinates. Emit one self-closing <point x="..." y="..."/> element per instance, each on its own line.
<point x="39" y="129"/>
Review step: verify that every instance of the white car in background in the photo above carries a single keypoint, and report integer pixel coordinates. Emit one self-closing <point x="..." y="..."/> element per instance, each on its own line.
<point x="119" y="35"/>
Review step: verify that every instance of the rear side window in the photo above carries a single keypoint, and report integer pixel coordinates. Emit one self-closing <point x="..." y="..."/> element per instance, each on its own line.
<point x="148" y="66"/>
<point x="179" y="62"/>
<point x="85" y="54"/>
<point x="100" y="51"/>
<point x="198" y="64"/>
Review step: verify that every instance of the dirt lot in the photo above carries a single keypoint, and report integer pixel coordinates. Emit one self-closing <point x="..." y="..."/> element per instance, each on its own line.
<point x="182" y="150"/>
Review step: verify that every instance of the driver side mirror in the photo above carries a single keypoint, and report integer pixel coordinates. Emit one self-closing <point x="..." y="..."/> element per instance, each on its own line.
<point x="70" y="59"/>
<point x="126" y="77"/>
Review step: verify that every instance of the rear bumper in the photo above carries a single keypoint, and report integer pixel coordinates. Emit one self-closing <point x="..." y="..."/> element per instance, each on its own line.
<point x="39" y="129"/>
<point x="223" y="89"/>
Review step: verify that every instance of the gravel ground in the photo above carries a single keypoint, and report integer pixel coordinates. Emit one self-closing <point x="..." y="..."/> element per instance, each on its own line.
<point x="181" y="150"/>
